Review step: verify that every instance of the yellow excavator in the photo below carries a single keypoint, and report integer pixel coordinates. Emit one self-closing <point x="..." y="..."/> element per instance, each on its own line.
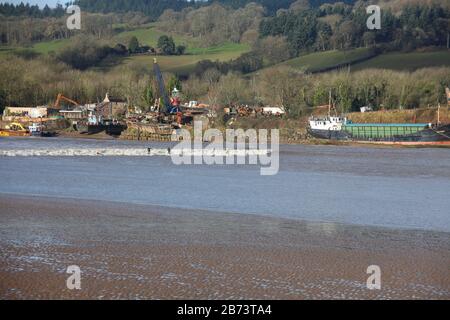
<point x="14" y="130"/>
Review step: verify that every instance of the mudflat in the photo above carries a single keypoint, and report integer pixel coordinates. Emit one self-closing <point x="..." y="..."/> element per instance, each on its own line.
<point x="129" y="251"/>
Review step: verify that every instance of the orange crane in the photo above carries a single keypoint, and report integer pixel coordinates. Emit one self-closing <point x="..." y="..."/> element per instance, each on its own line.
<point x="61" y="97"/>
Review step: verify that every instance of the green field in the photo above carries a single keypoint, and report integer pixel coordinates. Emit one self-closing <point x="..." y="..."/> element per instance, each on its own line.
<point x="5" y="50"/>
<point x="49" y="46"/>
<point x="323" y="60"/>
<point x="179" y="64"/>
<point x="149" y="35"/>
<point x="185" y="64"/>
<point x="318" y="61"/>
<point x="406" y="61"/>
<point x="41" y="47"/>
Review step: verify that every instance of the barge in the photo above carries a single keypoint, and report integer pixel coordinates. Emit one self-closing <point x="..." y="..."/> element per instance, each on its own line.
<point x="341" y="129"/>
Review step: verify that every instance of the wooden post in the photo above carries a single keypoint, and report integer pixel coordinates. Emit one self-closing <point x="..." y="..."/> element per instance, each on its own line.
<point x="439" y="114"/>
<point x="329" y="104"/>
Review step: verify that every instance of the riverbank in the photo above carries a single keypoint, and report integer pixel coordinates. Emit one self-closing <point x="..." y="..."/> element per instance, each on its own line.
<point x="293" y="131"/>
<point x="77" y="135"/>
<point x="102" y="136"/>
<point x="149" y="252"/>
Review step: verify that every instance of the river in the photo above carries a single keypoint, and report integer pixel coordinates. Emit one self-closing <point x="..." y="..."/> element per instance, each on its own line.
<point x="390" y="187"/>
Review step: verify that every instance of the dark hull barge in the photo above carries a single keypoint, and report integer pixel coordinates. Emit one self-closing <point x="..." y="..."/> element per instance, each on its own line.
<point x="335" y="128"/>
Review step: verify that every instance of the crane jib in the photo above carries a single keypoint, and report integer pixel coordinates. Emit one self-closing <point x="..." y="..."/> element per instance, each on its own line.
<point x="162" y="90"/>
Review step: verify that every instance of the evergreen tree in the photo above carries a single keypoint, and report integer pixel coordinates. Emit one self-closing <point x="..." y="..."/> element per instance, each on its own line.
<point x="167" y="45"/>
<point x="148" y="97"/>
<point x="180" y="50"/>
<point x="133" y="45"/>
<point x="173" y="83"/>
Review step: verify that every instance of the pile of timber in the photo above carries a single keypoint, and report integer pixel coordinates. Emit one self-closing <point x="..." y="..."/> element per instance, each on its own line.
<point x="147" y="132"/>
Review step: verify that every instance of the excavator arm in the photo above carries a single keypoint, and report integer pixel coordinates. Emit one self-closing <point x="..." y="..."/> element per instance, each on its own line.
<point x="61" y="97"/>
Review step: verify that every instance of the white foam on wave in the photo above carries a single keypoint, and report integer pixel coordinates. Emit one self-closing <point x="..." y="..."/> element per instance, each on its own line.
<point x="141" y="152"/>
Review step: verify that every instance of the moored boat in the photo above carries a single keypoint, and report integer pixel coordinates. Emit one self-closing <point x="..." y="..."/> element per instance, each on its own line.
<point x="39" y="130"/>
<point x="339" y="128"/>
<point x="96" y="125"/>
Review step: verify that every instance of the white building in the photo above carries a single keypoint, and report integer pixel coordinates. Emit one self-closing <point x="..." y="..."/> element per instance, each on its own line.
<point x="25" y="112"/>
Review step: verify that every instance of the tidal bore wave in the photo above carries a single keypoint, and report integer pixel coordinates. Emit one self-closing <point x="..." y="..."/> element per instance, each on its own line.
<point x="141" y="152"/>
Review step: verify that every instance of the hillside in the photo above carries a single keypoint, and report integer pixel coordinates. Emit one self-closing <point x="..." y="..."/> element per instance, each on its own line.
<point x="225" y="29"/>
<point x="363" y="58"/>
<point x="179" y="64"/>
<point x="323" y="61"/>
<point x="149" y="35"/>
<point x="154" y="8"/>
<point x="406" y="61"/>
<point x="184" y="65"/>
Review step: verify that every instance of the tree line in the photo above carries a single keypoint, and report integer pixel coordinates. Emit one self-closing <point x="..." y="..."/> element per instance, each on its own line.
<point x="311" y="29"/>
<point x="38" y="81"/>
<point x="9" y="9"/>
<point x="300" y="93"/>
<point x="151" y="8"/>
<point x="306" y="27"/>
<point x="154" y="8"/>
<point x="27" y="30"/>
<point x="214" y="24"/>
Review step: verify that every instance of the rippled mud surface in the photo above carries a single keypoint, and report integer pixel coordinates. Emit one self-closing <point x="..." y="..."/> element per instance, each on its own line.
<point x="148" y="252"/>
